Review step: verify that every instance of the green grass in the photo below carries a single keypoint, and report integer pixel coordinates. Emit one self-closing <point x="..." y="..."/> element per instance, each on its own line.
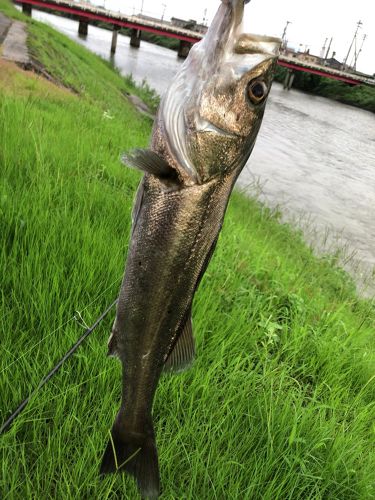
<point x="280" y="402"/>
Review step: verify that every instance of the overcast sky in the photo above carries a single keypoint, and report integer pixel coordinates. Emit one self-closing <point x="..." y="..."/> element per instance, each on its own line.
<point x="311" y="22"/>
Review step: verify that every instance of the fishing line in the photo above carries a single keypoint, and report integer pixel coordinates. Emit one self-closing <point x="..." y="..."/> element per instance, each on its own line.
<point x="60" y="327"/>
<point x="54" y="370"/>
<point x="71" y="388"/>
<point x="35" y="345"/>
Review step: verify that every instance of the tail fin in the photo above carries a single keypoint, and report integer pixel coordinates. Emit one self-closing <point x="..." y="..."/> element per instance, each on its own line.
<point x="136" y="454"/>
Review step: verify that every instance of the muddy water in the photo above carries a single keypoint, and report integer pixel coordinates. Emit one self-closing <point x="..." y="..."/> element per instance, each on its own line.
<point x="314" y="158"/>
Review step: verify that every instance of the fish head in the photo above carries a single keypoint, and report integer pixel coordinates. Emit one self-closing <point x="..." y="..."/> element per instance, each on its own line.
<point x="212" y="111"/>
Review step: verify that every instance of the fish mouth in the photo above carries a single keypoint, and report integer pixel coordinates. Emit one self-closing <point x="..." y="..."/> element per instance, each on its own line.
<point x="228" y="51"/>
<point x="226" y="38"/>
<point x="224" y="29"/>
<point x="225" y="54"/>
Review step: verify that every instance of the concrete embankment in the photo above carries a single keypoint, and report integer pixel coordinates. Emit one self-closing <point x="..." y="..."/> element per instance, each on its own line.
<point x="13" y="37"/>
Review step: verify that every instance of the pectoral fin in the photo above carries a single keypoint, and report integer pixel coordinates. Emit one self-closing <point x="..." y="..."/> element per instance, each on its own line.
<point x="183" y="352"/>
<point x="149" y="162"/>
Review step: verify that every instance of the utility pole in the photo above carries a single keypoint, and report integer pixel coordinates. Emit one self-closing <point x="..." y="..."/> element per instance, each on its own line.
<point x="323" y="50"/>
<point x="283" y="38"/>
<point x="142" y="6"/>
<point x="344" y="64"/>
<point x="165" y="6"/>
<point x="329" y="48"/>
<point x="204" y="17"/>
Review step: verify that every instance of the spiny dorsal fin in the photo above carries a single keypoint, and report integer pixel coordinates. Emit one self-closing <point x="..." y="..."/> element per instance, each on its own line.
<point x="183" y="352"/>
<point x="150" y="162"/>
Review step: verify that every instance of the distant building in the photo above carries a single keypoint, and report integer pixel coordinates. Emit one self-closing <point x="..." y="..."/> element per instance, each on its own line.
<point x="333" y="63"/>
<point x="313" y="59"/>
<point x="309" y="58"/>
<point x="303" y="56"/>
<point x="190" y="24"/>
<point x="330" y="62"/>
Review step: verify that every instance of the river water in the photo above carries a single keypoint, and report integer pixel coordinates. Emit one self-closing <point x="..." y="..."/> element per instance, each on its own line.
<point x="314" y="158"/>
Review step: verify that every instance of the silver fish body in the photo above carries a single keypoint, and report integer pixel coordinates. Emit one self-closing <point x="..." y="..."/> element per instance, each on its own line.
<point x="203" y="135"/>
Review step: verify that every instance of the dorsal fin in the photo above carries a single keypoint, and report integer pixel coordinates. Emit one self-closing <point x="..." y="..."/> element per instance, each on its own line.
<point x="183" y="352"/>
<point x="149" y="162"/>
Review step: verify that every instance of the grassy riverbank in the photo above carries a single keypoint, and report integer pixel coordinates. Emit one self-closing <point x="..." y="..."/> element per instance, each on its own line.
<point x="280" y="401"/>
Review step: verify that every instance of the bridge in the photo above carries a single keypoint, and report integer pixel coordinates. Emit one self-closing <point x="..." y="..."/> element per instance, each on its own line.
<point x="85" y="12"/>
<point x="294" y="64"/>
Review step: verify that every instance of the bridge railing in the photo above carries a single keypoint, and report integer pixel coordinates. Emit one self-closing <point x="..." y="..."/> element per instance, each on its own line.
<point x="326" y="69"/>
<point x="143" y="22"/>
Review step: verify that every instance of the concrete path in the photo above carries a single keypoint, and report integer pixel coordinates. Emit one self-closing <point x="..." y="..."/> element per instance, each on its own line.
<point x="14" y="47"/>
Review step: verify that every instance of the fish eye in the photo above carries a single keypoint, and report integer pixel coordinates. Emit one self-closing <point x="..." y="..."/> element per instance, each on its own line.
<point x="257" y="91"/>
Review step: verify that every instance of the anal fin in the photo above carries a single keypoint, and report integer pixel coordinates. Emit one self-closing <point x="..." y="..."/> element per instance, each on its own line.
<point x="183" y="352"/>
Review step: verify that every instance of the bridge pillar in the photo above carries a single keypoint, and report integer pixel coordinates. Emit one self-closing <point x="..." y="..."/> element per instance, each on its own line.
<point x="114" y="39"/>
<point x="83" y="27"/>
<point x="27" y="9"/>
<point x="135" y="38"/>
<point x="289" y="77"/>
<point x="184" y="48"/>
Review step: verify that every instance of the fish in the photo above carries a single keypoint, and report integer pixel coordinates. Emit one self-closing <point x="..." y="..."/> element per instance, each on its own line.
<point x="203" y="135"/>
